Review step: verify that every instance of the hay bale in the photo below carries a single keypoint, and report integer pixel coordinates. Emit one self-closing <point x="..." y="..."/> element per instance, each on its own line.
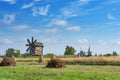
<point x="53" y="57"/>
<point x="8" y="61"/>
<point x="55" y="63"/>
<point x="14" y="57"/>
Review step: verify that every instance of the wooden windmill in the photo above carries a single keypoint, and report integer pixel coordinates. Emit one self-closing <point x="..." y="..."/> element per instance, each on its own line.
<point x="34" y="47"/>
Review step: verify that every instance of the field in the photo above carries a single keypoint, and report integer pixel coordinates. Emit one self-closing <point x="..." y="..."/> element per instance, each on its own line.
<point x="113" y="60"/>
<point x="29" y="69"/>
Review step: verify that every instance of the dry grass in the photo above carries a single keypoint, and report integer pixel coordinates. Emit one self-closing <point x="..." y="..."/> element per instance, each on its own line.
<point x="113" y="60"/>
<point x="93" y="60"/>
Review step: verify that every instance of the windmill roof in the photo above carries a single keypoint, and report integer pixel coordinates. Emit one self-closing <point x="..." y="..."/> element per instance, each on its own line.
<point x="39" y="44"/>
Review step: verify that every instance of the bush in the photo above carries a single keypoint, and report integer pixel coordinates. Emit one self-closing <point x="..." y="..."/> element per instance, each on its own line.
<point x="49" y="55"/>
<point x="108" y="54"/>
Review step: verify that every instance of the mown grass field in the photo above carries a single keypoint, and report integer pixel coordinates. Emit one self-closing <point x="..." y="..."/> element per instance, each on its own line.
<point x="30" y="69"/>
<point x="36" y="71"/>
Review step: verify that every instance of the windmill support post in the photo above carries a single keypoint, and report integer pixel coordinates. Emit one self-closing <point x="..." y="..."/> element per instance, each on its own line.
<point x="41" y="59"/>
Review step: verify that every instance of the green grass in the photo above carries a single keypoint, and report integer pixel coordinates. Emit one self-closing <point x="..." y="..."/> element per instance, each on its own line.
<point x="35" y="71"/>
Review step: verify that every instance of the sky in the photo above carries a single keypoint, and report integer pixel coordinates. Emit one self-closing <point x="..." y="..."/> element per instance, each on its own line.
<point x="58" y="23"/>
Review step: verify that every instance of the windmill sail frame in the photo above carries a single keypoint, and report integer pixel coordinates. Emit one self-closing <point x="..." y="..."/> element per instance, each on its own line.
<point x="34" y="47"/>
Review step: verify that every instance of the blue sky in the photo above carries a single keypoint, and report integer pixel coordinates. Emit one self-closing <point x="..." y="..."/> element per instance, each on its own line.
<point x="57" y="23"/>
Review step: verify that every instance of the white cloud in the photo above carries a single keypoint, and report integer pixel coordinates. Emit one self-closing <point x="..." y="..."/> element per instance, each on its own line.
<point x="6" y="41"/>
<point x="117" y="42"/>
<point x="101" y="42"/>
<point x="21" y="27"/>
<point x="40" y="10"/>
<point x="74" y="9"/>
<point x="9" y="1"/>
<point x="73" y="28"/>
<point x="58" y="23"/>
<point x="51" y="31"/>
<point x="70" y="11"/>
<point x="46" y="31"/>
<point x="50" y="40"/>
<point x="8" y="18"/>
<point x="110" y="17"/>
<point x="27" y="5"/>
<point x="82" y="41"/>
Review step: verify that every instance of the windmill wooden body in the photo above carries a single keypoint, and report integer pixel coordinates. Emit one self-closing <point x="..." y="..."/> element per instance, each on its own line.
<point x="34" y="47"/>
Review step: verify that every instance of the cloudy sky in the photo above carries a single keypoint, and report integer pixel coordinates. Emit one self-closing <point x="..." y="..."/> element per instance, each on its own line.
<point x="57" y="23"/>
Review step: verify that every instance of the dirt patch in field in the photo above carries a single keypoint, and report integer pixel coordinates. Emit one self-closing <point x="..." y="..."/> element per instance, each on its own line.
<point x="55" y="63"/>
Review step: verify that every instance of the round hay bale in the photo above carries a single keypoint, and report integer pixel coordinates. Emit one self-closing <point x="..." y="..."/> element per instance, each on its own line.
<point x="9" y="61"/>
<point x="55" y="63"/>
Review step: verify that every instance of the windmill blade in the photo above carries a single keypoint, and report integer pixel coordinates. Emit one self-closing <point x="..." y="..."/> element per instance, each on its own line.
<point x="32" y="46"/>
<point x="28" y="41"/>
<point x="27" y="44"/>
<point x="31" y="49"/>
<point x="32" y="40"/>
<point x="27" y="49"/>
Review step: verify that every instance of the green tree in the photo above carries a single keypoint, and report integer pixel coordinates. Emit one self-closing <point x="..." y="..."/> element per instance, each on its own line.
<point x="82" y="53"/>
<point x="95" y="54"/>
<point x="17" y="53"/>
<point x="107" y="54"/>
<point x="11" y="51"/>
<point x="100" y="55"/>
<point x="69" y="50"/>
<point x="115" y="53"/>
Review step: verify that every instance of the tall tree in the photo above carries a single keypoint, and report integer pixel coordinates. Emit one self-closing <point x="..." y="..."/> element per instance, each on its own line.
<point x="11" y="51"/>
<point x="82" y="53"/>
<point x="69" y="50"/>
<point x="115" y="53"/>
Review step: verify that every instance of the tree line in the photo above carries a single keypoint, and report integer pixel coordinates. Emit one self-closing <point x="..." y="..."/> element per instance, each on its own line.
<point x="69" y="50"/>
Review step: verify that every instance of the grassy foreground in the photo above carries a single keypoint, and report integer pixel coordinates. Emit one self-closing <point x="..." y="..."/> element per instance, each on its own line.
<point x="36" y="71"/>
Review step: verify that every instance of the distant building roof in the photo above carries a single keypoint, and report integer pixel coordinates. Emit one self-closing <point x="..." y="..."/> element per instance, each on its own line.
<point x="39" y="44"/>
